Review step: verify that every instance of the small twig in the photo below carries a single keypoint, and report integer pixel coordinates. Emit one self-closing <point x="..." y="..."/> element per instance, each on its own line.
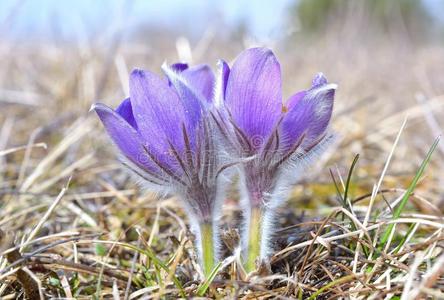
<point x="318" y="233"/>
<point x="130" y="277"/>
<point x="30" y="286"/>
<point x="45" y="217"/>
<point x="15" y="149"/>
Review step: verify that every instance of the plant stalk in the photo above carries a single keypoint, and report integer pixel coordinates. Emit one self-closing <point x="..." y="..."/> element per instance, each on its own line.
<point x="207" y="243"/>
<point x="254" y="239"/>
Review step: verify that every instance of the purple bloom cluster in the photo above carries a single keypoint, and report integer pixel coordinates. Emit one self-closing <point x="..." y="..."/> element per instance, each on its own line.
<point x="163" y="133"/>
<point x="185" y="133"/>
<point x="278" y="140"/>
<point x="164" y="136"/>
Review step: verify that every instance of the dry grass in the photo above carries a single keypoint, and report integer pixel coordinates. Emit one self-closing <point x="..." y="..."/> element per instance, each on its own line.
<point x="75" y="224"/>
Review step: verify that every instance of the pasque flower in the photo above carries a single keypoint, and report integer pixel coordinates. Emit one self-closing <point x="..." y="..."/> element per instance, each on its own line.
<point x="275" y="141"/>
<point x="164" y="136"/>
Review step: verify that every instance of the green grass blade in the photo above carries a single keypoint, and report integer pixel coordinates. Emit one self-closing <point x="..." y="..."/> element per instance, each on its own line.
<point x="331" y="284"/>
<point x="347" y="184"/>
<point x="407" y="194"/>
<point x="155" y="261"/>
<point x="160" y="264"/>
<point x="335" y="184"/>
<point x="206" y="284"/>
<point x="404" y="238"/>
<point x="347" y="203"/>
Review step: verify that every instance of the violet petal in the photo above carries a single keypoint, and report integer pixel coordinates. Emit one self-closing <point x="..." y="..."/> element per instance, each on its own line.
<point x="179" y="67"/>
<point x="192" y="101"/>
<point x="157" y="110"/>
<point x="202" y="79"/>
<point x="124" y="136"/>
<point x="253" y="94"/>
<point x="125" y="110"/>
<point x="291" y="102"/>
<point x="309" y="115"/>
<point x="222" y="80"/>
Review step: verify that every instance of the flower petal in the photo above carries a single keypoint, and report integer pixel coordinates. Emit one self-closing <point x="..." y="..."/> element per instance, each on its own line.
<point x="124" y="136"/>
<point x="319" y="80"/>
<point x="202" y="79"/>
<point x="221" y="84"/>
<point x="291" y="102"/>
<point x="309" y="115"/>
<point x="179" y="67"/>
<point x="253" y="95"/>
<point x="157" y="110"/>
<point x="192" y="101"/>
<point x="125" y="110"/>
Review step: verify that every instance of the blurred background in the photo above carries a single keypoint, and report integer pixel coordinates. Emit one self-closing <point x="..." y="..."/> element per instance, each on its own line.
<point x="58" y="57"/>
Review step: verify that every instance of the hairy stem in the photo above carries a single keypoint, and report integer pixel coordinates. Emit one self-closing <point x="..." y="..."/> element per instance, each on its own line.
<point x="254" y="239"/>
<point x="207" y="243"/>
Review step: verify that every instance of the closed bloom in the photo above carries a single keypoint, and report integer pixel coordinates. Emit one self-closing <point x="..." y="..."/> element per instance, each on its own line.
<point x="275" y="141"/>
<point x="164" y="136"/>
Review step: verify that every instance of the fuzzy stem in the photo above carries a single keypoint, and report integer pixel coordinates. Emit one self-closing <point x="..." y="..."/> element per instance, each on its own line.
<point x="206" y="231"/>
<point x="254" y="239"/>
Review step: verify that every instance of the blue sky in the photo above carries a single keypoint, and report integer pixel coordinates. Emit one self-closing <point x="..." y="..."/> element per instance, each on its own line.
<point x="41" y="17"/>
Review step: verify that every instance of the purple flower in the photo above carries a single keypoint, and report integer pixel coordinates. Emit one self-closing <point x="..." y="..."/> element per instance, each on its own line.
<point x="164" y="135"/>
<point x="275" y="141"/>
